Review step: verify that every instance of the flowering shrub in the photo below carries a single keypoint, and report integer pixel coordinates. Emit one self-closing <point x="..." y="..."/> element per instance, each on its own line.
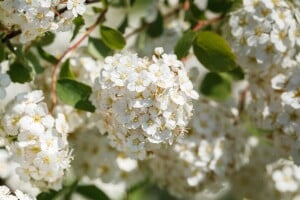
<point x="164" y="99"/>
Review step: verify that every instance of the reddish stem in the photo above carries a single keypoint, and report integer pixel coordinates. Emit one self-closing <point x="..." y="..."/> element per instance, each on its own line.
<point x="70" y="49"/>
<point x="202" y="23"/>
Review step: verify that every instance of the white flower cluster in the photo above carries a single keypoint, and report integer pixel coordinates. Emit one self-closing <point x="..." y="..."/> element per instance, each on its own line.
<point x="35" y="17"/>
<point x="263" y="34"/>
<point x="265" y="38"/>
<point x="286" y="86"/>
<point x="37" y="141"/>
<point x="213" y="149"/>
<point x="5" y="194"/>
<point x="143" y="102"/>
<point x="95" y="158"/>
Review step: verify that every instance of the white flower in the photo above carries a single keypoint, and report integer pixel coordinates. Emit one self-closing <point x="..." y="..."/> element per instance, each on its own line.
<point x="61" y="124"/>
<point x="45" y="3"/>
<point x="291" y="98"/>
<point x="284" y="174"/>
<point x="279" y="81"/>
<point x="284" y="181"/>
<point x="280" y="38"/>
<point x="158" y="51"/>
<point x="77" y="7"/>
<point x="259" y="34"/>
<point x="6" y="195"/>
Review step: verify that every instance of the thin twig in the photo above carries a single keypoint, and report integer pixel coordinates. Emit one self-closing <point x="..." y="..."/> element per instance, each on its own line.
<point x="145" y="25"/>
<point x="203" y="23"/>
<point x="73" y="47"/>
<point x="11" y="35"/>
<point x="242" y="99"/>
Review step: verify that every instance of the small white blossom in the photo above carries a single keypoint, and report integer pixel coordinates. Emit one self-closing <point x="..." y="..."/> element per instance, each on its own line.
<point x="77" y="7"/>
<point x="5" y="194"/>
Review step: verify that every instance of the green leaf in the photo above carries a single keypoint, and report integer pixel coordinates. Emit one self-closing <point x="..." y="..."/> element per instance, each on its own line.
<point x="52" y="194"/>
<point x="97" y="9"/>
<point x="34" y="62"/>
<point x="74" y="93"/>
<point x="66" y="71"/>
<point x="46" y="39"/>
<point x="215" y="86"/>
<point x="214" y="52"/>
<point x="92" y="192"/>
<point x="196" y="12"/>
<point x="78" y="22"/>
<point x="97" y="48"/>
<point x="236" y="74"/>
<point x="104" y="3"/>
<point x="19" y="73"/>
<point x="237" y="4"/>
<point x="112" y="38"/>
<point x="46" y="56"/>
<point x="219" y="5"/>
<point x="70" y="190"/>
<point x="156" y="28"/>
<point x="123" y="26"/>
<point x="85" y="105"/>
<point x="132" y="2"/>
<point x="184" y="44"/>
<point x="138" y="186"/>
<point x="2" y="52"/>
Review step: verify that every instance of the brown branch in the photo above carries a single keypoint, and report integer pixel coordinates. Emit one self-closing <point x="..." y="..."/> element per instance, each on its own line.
<point x="242" y="99"/>
<point x="11" y="35"/>
<point x="203" y="23"/>
<point x="70" y="49"/>
<point x="145" y="25"/>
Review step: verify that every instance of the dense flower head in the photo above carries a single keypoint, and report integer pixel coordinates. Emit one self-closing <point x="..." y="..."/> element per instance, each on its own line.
<point x="37" y="140"/>
<point x="265" y="38"/>
<point x="274" y="108"/>
<point x="263" y="34"/>
<point x="36" y="17"/>
<point x="201" y="160"/>
<point x="144" y="102"/>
